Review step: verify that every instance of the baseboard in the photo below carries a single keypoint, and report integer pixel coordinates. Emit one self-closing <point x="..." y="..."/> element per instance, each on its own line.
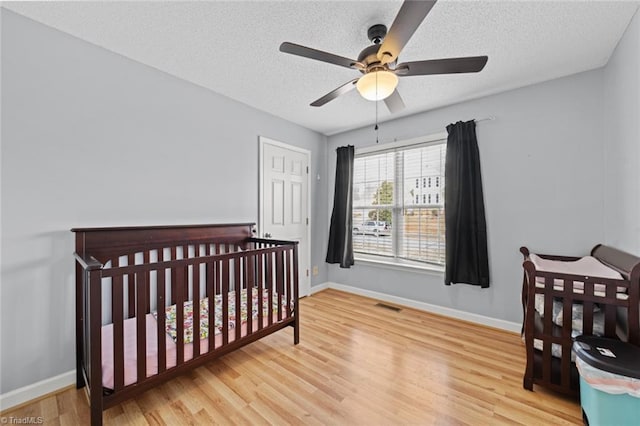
<point x="440" y="310"/>
<point x="319" y="287"/>
<point x="36" y="390"/>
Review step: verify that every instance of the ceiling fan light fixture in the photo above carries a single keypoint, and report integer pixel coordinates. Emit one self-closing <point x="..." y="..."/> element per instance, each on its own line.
<point x="377" y="85"/>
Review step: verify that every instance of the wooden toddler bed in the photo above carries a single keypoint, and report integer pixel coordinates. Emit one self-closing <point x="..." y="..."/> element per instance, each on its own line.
<point x="141" y="290"/>
<point x="565" y="296"/>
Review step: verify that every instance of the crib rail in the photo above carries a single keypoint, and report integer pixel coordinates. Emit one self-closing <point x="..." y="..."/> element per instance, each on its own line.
<point x="590" y="294"/>
<point x="549" y="333"/>
<point x="118" y="287"/>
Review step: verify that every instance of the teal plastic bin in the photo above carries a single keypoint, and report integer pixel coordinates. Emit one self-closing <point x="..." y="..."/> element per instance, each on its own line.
<point x="609" y="381"/>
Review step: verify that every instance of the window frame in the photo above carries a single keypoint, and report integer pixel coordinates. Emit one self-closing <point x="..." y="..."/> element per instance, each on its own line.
<point x="396" y="262"/>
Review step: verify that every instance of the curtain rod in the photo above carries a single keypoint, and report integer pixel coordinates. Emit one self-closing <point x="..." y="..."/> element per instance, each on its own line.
<point x="392" y="143"/>
<point x="489" y="118"/>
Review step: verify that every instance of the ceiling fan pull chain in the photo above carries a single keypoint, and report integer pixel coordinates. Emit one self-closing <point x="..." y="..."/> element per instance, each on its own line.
<point x="376" y="128"/>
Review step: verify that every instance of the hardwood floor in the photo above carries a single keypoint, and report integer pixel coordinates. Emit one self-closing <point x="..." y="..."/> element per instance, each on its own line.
<point x="357" y="364"/>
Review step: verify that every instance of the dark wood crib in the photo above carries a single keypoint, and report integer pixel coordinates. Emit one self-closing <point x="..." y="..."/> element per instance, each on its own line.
<point x="141" y="290"/>
<point x="609" y="304"/>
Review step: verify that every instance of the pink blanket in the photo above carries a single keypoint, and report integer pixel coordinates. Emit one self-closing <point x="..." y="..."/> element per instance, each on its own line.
<point x="130" y="349"/>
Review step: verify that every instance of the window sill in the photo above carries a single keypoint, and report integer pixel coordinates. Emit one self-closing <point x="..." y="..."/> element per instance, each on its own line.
<point x="398" y="264"/>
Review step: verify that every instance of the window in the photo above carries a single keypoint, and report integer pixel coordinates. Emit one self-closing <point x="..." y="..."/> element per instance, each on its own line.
<point x="437" y="182"/>
<point x="385" y="189"/>
<point x="424" y="183"/>
<point x="429" y="182"/>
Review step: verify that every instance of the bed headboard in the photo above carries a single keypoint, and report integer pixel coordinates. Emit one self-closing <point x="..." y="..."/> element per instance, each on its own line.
<point x="105" y="243"/>
<point x="627" y="264"/>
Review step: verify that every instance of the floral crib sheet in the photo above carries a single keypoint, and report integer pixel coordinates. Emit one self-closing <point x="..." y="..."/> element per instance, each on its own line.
<point x="171" y="320"/>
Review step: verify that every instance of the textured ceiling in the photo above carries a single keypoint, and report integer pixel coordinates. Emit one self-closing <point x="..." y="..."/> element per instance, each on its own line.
<point x="232" y="47"/>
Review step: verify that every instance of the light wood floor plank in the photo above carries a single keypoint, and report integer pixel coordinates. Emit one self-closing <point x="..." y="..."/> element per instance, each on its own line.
<point x="356" y="364"/>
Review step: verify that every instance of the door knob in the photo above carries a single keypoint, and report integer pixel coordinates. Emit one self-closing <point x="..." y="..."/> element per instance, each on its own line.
<point x="267" y="235"/>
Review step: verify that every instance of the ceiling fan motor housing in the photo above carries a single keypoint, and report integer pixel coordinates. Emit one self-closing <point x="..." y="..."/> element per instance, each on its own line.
<point x="376" y="33"/>
<point x="369" y="55"/>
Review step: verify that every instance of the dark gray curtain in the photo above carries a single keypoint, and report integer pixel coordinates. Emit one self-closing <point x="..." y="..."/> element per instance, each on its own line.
<point x="340" y="235"/>
<point x="466" y="231"/>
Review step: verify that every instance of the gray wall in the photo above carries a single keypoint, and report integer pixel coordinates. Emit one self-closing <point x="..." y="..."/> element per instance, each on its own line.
<point x="542" y="177"/>
<point x="90" y="138"/>
<point x="622" y="142"/>
<point x="79" y="123"/>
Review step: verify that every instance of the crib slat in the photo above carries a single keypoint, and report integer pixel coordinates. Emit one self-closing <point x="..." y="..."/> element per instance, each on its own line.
<point x="269" y="275"/>
<point x="249" y="289"/>
<point x="279" y="281"/>
<point x="172" y="288"/>
<point x="567" y="316"/>
<point x="132" y="289"/>
<point x="225" y="301"/>
<point x="179" y="302"/>
<point x="195" y="291"/>
<point x="260" y="285"/>
<point x="185" y="255"/>
<point x="162" y="316"/>
<point x="237" y="287"/>
<point x="218" y="290"/>
<point x="141" y="332"/>
<point x="117" y="304"/>
<point x="146" y="261"/>
<point x="610" y="312"/>
<point x="211" y="272"/>
<point x="251" y="272"/>
<point x="587" y="309"/>
<point x="547" y="330"/>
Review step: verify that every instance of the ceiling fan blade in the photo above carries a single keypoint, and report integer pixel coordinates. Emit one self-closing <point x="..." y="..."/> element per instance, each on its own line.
<point x="442" y="66"/>
<point x="394" y="102"/>
<point x="307" y="52"/>
<point x="409" y="18"/>
<point x="347" y="87"/>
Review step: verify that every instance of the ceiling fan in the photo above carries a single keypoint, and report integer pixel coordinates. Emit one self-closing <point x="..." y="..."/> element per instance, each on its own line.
<point x="378" y="62"/>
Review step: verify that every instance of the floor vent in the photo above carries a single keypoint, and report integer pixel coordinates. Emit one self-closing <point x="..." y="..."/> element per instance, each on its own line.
<point x="391" y="308"/>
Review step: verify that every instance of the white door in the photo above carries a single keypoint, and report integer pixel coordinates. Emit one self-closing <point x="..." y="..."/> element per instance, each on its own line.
<point x="284" y="200"/>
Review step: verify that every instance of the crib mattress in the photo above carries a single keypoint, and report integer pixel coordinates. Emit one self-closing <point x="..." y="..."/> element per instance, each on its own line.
<point x="585" y="266"/>
<point x="130" y="333"/>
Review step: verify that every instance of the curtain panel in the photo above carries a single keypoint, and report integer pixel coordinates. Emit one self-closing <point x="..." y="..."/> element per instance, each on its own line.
<point x="340" y="248"/>
<point x="466" y="256"/>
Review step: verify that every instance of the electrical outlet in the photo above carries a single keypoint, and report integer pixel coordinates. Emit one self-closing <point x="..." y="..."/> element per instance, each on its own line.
<point x="315" y="270"/>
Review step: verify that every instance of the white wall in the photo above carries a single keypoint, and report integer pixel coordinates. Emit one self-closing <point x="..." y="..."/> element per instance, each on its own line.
<point x="90" y="138"/>
<point x="542" y="176"/>
<point x="622" y="142"/>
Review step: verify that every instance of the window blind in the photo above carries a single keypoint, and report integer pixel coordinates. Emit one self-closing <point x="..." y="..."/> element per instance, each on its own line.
<point x="398" y="203"/>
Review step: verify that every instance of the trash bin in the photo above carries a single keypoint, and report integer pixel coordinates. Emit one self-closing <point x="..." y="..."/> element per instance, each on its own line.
<point x="609" y="381"/>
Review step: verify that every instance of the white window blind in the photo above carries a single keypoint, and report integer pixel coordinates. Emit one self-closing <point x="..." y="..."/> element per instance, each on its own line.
<point x="398" y="203"/>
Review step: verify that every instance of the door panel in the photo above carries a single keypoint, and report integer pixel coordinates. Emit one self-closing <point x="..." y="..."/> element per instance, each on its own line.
<point x="284" y="195"/>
